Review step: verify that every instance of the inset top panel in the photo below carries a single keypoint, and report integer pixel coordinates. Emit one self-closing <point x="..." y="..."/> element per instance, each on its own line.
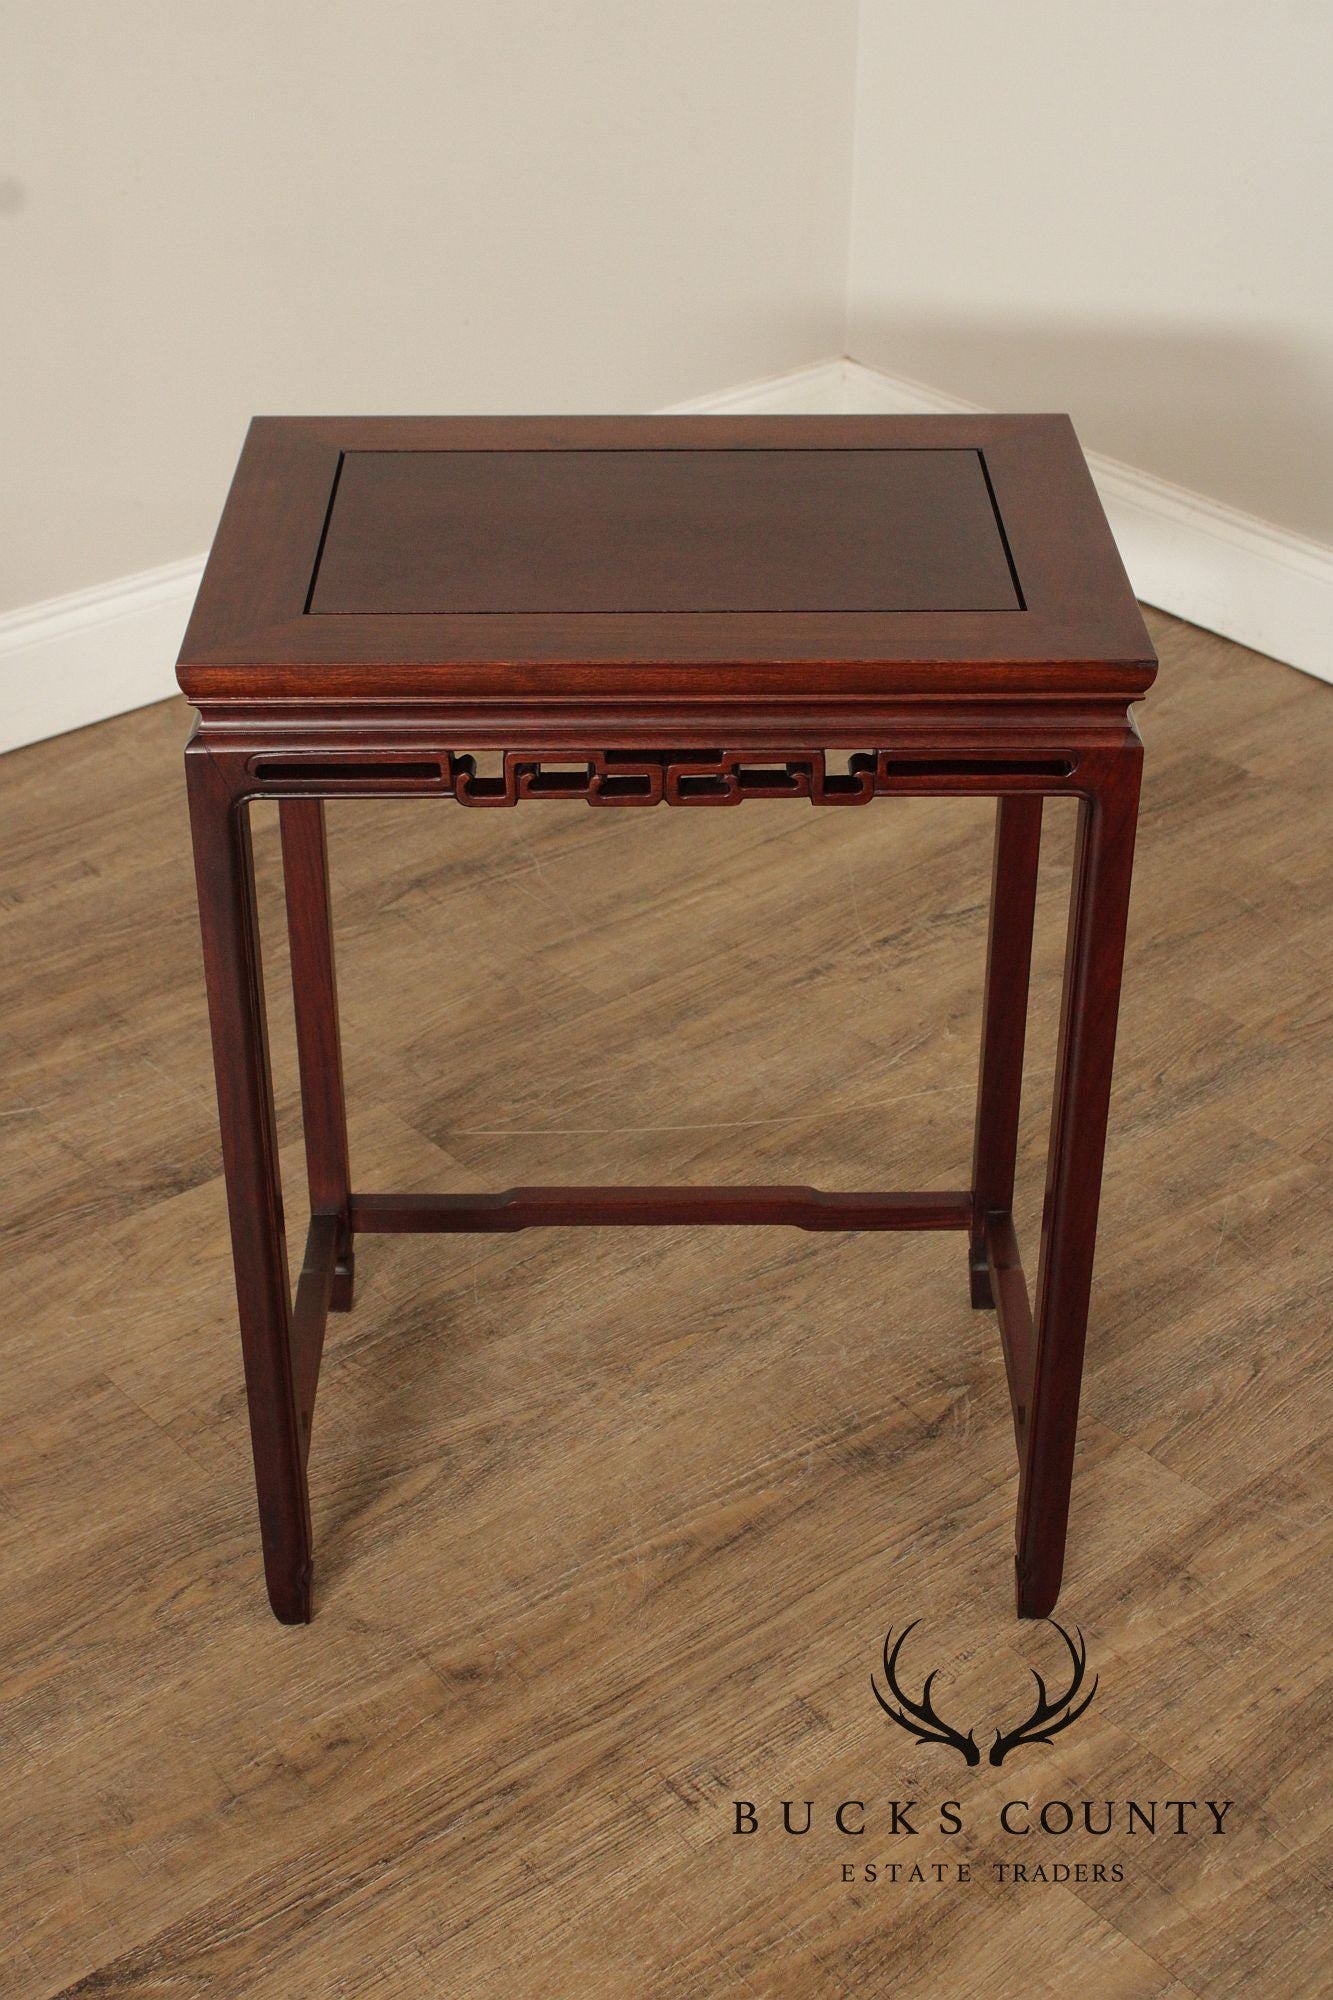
<point x="444" y="533"/>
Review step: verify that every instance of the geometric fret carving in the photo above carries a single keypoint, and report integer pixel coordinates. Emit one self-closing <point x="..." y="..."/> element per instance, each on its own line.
<point x="718" y="777"/>
<point x="676" y="777"/>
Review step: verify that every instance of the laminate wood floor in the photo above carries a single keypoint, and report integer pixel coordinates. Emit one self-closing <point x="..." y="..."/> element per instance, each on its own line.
<point x="610" y="1525"/>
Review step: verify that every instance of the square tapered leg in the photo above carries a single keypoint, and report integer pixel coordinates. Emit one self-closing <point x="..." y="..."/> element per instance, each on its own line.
<point x="230" y="932"/>
<point x="1099" y="909"/>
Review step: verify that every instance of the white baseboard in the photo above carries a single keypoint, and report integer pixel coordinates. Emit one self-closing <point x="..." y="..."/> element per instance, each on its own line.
<point x="93" y="654"/>
<point x="820" y="389"/>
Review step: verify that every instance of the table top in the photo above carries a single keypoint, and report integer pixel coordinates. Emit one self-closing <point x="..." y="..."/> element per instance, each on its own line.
<point x="620" y="559"/>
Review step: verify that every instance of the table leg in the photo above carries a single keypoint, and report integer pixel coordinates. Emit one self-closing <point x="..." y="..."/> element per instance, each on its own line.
<point x="1004" y="1023"/>
<point x="1103" y="863"/>
<point x="230" y="931"/>
<point x="315" y="996"/>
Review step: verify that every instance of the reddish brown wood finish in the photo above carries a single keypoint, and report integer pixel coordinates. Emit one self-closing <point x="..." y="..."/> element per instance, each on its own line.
<point x="650" y="1207"/>
<point x="310" y="1311"/>
<point x="1079" y="631"/>
<point x="1004" y="1025"/>
<point x="1103" y="865"/>
<point x="224" y="870"/>
<point x="567" y="533"/>
<point x="626" y="706"/>
<point x="1008" y="1288"/>
<point x="305" y="863"/>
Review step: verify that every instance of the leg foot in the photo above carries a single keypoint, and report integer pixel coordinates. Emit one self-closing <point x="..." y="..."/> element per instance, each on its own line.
<point x="1037" y="1593"/>
<point x="289" y="1592"/>
<point x="983" y="1297"/>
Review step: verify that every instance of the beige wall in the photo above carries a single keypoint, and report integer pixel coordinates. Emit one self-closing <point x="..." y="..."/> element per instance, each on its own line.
<point x="1119" y="209"/>
<point x="210" y="209"/>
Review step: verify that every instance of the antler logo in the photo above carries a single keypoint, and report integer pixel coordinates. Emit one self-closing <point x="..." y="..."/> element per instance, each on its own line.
<point x="918" y="1718"/>
<point x="1046" y="1721"/>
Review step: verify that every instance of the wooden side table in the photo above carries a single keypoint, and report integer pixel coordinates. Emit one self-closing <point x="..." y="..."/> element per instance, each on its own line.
<point x="679" y="611"/>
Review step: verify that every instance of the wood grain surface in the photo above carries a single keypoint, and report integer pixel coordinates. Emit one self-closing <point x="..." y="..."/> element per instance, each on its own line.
<point x="611" y="1523"/>
<point x="643" y="601"/>
<point x="505" y="531"/>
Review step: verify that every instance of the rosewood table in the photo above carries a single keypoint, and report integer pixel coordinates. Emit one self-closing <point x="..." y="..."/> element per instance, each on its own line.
<point x="638" y="612"/>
